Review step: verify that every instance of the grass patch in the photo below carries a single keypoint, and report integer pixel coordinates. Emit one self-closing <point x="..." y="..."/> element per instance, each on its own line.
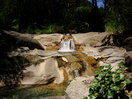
<point x="114" y="27"/>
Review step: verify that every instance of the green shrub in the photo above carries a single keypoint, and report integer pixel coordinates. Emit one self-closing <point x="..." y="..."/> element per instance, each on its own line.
<point x="83" y="9"/>
<point x="114" y="27"/>
<point x="15" y="25"/>
<point x="109" y="85"/>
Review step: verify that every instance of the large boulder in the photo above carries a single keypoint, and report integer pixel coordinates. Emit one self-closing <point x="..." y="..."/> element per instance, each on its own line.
<point x="128" y="43"/>
<point x="107" y="55"/>
<point x="78" y="88"/>
<point x="94" y="38"/>
<point x="43" y="73"/>
<point x="113" y="55"/>
<point x="49" y="41"/>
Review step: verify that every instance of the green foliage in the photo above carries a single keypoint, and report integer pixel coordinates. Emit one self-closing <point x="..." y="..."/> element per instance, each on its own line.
<point x="43" y="12"/>
<point x="109" y="85"/>
<point x="121" y="15"/>
<point x="15" y="25"/>
<point x="85" y="3"/>
<point x="29" y="29"/>
<point x="85" y="97"/>
<point x="50" y="29"/>
<point x="7" y="12"/>
<point x="82" y="13"/>
<point x="84" y="9"/>
<point x="114" y="27"/>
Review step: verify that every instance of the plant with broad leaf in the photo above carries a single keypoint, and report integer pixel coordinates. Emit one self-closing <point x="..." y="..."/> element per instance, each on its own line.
<point x="109" y="84"/>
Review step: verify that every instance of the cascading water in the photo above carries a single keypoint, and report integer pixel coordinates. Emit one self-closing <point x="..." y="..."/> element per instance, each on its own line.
<point x="67" y="45"/>
<point x="76" y="73"/>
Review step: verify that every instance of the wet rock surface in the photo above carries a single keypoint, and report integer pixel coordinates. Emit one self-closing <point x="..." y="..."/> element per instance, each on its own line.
<point x="53" y="67"/>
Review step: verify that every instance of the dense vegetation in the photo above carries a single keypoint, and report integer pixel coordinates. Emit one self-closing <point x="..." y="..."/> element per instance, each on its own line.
<point x="47" y="16"/>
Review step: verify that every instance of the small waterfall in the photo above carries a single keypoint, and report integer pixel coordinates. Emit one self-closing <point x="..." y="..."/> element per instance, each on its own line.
<point x="67" y="45"/>
<point x="76" y="72"/>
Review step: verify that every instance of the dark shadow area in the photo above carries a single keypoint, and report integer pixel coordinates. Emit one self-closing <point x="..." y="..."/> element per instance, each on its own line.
<point x="96" y="20"/>
<point x="50" y="16"/>
<point x="11" y="68"/>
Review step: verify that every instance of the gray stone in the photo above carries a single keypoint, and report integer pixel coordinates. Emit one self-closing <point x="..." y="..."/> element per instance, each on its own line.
<point x="78" y="88"/>
<point x="128" y="60"/>
<point x="111" y="54"/>
<point x="128" y="43"/>
<point x="43" y="73"/>
<point x="48" y="39"/>
<point x="94" y="38"/>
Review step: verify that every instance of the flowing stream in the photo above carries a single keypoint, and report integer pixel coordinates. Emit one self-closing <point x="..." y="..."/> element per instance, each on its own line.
<point x="67" y="45"/>
<point x="76" y="73"/>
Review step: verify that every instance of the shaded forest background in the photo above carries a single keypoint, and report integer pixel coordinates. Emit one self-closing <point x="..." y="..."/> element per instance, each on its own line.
<point x="48" y="16"/>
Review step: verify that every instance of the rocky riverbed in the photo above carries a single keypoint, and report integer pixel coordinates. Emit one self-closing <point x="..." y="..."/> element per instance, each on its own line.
<point x="74" y="71"/>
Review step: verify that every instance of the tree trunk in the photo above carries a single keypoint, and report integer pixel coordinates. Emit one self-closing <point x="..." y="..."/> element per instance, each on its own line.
<point x="105" y="4"/>
<point x="77" y="3"/>
<point x="93" y="2"/>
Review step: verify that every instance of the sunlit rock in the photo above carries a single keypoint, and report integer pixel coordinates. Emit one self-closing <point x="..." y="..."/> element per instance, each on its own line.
<point x="45" y="72"/>
<point x="49" y="41"/>
<point x="94" y="39"/>
<point x="78" y="88"/>
<point x="54" y="68"/>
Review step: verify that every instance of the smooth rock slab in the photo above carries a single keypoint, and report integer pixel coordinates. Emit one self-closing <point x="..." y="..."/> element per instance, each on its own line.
<point x="111" y="54"/>
<point x="47" y="40"/>
<point x="94" y="38"/>
<point x="45" y="72"/>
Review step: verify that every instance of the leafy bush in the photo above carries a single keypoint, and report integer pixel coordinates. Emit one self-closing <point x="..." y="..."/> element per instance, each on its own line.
<point x="109" y="85"/>
<point x="114" y="27"/>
